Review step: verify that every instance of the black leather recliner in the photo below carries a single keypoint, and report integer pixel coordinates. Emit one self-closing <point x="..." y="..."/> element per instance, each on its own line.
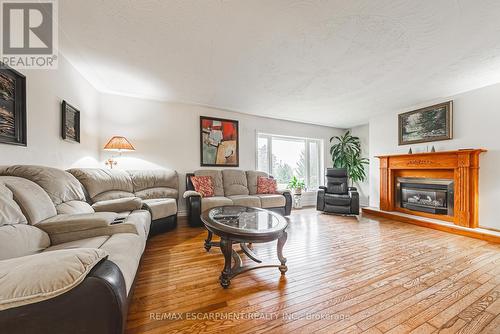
<point x="337" y="196"/>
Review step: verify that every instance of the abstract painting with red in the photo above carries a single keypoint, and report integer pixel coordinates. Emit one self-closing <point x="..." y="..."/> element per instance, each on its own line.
<point x="219" y="142"/>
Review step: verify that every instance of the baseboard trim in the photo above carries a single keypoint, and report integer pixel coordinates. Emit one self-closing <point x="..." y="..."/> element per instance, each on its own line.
<point x="477" y="233"/>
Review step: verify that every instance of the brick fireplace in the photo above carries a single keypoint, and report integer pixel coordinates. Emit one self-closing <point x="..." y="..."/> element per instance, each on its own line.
<point x="439" y="185"/>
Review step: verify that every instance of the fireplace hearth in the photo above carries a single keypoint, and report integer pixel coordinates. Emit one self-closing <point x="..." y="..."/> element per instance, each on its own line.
<point x="428" y="195"/>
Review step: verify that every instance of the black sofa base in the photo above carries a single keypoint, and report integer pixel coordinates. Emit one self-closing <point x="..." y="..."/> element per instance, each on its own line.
<point x="98" y="305"/>
<point x="163" y="225"/>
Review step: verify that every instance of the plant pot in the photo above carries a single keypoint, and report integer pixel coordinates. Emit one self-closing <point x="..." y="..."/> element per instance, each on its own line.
<point x="297" y="191"/>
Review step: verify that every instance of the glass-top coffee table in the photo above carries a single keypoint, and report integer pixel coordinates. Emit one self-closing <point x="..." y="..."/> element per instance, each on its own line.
<point x="244" y="225"/>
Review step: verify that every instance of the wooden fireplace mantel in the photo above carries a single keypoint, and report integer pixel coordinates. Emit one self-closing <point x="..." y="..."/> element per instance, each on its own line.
<point x="461" y="166"/>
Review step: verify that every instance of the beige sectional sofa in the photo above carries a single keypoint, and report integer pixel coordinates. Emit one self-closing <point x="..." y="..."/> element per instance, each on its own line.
<point x="125" y="191"/>
<point x="233" y="187"/>
<point x="73" y="264"/>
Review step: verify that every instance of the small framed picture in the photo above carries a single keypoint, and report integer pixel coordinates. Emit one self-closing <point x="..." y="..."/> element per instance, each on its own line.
<point x="70" y="122"/>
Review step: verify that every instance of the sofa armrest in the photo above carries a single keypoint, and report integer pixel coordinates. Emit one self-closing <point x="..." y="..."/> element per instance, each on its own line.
<point x="97" y="305"/>
<point x="288" y="202"/>
<point x="77" y="222"/>
<point x="190" y="193"/>
<point x="320" y="199"/>
<point x="354" y="202"/>
<point x="66" y="228"/>
<point x="56" y="273"/>
<point x="193" y="204"/>
<point x="323" y="188"/>
<point x="118" y="205"/>
<point x="283" y="191"/>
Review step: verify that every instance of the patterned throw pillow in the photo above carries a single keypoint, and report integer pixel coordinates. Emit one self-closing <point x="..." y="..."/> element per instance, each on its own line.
<point x="266" y="185"/>
<point x="204" y="185"/>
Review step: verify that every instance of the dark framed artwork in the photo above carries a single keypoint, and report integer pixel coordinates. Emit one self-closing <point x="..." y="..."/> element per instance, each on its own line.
<point x="427" y="124"/>
<point x="70" y="122"/>
<point x="12" y="106"/>
<point x="219" y="142"/>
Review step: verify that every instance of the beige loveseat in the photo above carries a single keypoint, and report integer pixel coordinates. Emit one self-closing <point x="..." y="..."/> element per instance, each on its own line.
<point x="233" y="187"/>
<point x="63" y="266"/>
<point x="124" y="191"/>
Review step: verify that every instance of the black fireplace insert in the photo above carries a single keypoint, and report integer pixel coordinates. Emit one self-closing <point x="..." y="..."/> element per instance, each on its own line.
<point x="426" y="195"/>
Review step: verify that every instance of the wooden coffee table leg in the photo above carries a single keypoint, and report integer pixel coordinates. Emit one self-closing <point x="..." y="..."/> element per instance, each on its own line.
<point x="208" y="241"/>
<point x="281" y="242"/>
<point x="226" y="247"/>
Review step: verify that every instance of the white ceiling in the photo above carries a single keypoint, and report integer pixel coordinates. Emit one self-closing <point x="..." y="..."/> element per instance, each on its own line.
<point x="334" y="63"/>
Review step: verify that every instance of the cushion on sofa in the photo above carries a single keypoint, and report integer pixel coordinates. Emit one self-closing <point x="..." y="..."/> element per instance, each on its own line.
<point x="203" y="185"/>
<point x="160" y="181"/>
<point x="245" y="200"/>
<point x="125" y="250"/>
<point x="21" y="240"/>
<point x="118" y="205"/>
<point x="217" y="179"/>
<point x="160" y="207"/>
<point x="111" y="195"/>
<point x="272" y="200"/>
<point x="74" y="207"/>
<point x="104" y="184"/>
<point x="235" y="182"/>
<point x="211" y="202"/>
<point x="266" y="185"/>
<point x="141" y="219"/>
<point x="10" y="212"/>
<point x="252" y="177"/>
<point x="95" y="242"/>
<point x="56" y="273"/>
<point x="60" y="185"/>
<point x="30" y="197"/>
<point x="159" y="192"/>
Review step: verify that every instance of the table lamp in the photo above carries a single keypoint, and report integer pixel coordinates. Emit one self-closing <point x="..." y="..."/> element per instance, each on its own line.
<point x="119" y="144"/>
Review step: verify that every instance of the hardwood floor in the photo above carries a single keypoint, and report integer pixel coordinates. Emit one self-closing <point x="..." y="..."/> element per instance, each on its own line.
<point x="344" y="275"/>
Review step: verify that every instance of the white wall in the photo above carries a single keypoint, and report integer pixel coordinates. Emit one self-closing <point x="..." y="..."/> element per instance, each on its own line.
<point x="167" y="134"/>
<point x="362" y="132"/>
<point x="476" y="125"/>
<point x="45" y="91"/>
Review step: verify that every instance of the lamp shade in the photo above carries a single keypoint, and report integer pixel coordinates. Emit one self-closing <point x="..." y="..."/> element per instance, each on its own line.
<point x="118" y="143"/>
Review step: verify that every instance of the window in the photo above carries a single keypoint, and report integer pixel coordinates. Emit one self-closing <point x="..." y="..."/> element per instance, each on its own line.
<point x="285" y="157"/>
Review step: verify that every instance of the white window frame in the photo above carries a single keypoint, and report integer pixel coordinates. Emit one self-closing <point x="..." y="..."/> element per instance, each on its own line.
<point x="306" y="140"/>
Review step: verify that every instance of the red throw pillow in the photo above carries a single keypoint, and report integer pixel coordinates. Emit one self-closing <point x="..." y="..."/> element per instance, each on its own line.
<point x="266" y="185"/>
<point x="204" y="185"/>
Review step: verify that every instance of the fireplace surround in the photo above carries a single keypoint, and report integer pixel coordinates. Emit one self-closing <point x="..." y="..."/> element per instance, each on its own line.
<point x="461" y="166"/>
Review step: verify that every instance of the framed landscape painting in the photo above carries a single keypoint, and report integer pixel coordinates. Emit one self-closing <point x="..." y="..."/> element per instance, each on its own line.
<point x="12" y="106"/>
<point x="70" y="122"/>
<point x="219" y="142"/>
<point x="427" y="124"/>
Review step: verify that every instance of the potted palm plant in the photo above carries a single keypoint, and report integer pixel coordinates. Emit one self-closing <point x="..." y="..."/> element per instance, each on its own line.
<point x="296" y="185"/>
<point x="346" y="153"/>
